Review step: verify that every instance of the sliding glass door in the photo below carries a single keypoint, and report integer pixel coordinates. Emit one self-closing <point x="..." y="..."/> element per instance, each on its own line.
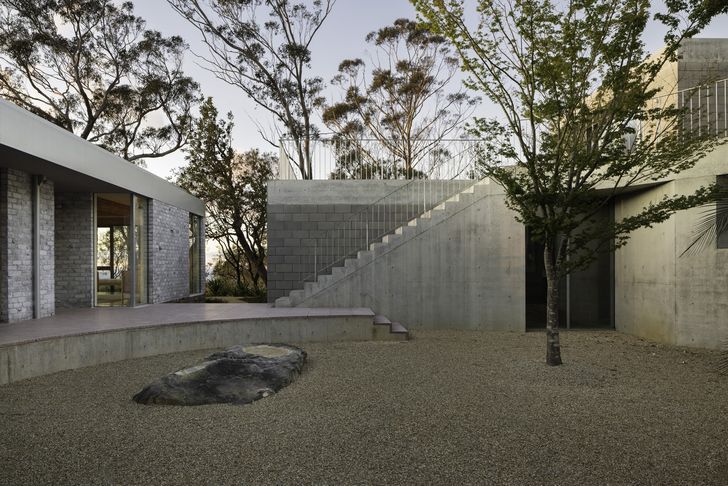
<point x="121" y="250"/>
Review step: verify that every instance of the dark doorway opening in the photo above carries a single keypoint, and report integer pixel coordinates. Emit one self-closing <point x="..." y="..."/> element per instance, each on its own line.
<point x="586" y="296"/>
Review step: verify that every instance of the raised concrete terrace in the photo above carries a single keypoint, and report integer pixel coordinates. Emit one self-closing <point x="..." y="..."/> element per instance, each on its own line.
<point x="84" y="337"/>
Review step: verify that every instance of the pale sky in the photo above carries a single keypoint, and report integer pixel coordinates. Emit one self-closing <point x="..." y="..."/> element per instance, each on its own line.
<point x="341" y="37"/>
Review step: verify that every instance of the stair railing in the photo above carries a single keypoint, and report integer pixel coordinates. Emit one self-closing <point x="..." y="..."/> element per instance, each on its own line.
<point x="391" y="211"/>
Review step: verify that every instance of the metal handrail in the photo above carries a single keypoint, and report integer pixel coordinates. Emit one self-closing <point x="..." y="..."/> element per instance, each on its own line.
<point x="384" y="216"/>
<point x="369" y="158"/>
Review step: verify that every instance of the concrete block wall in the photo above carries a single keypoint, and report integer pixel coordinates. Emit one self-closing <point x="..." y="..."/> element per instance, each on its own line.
<point x="467" y="271"/>
<point x="311" y="221"/>
<point x="74" y="235"/>
<point x="169" y="277"/>
<point x="16" y="246"/>
<point x="701" y="61"/>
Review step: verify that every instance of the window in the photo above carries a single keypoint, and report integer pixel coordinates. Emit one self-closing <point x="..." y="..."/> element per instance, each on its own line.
<point x="194" y="246"/>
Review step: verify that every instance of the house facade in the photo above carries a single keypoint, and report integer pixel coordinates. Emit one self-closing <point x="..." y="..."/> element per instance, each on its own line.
<point x="449" y="253"/>
<point x="81" y="227"/>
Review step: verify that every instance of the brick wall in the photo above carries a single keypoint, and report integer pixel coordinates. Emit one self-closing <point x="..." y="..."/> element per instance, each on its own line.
<point x="47" y="249"/>
<point x="3" y="245"/>
<point x="74" y="234"/>
<point x="16" y="246"/>
<point x="169" y="277"/>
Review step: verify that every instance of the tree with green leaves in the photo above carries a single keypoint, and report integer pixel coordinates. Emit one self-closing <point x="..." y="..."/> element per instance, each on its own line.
<point x="91" y="67"/>
<point x="402" y="102"/>
<point x="269" y="59"/>
<point x="573" y="81"/>
<point x="234" y="188"/>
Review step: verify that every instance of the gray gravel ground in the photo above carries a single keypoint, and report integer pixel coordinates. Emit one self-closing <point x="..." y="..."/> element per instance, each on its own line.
<point x="446" y="408"/>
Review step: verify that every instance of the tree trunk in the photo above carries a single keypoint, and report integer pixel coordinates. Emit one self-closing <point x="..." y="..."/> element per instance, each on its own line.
<point x="553" y="347"/>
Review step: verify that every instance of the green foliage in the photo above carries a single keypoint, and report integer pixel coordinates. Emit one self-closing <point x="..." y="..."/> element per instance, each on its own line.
<point x="573" y="82"/>
<point x="268" y="60"/>
<point x="91" y="67"/>
<point x="574" y="85"/>
<point x="712" y="223"/>
<point x="234" y="188"/>
<point x="120" y="248"/>
<point x="224" y="282"/>
<point x="402" y="103"/>
<point x="221" y="286"/>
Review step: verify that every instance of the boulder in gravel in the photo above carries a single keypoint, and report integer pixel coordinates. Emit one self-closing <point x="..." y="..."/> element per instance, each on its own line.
<point x="242" y="374"/>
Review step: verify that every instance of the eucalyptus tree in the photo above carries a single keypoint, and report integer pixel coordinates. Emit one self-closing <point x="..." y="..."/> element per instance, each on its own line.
<point x="401" y="100"/>
<point x="263" y="47"/>
<point x="92" y="67"/>
<point x="572" y="81"/>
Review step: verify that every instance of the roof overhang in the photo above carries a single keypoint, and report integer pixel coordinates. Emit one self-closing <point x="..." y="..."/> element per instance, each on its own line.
<point x="34" y="145"/>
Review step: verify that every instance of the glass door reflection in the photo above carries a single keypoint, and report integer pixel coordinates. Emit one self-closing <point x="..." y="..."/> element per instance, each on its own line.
<point x="113" y="279"/>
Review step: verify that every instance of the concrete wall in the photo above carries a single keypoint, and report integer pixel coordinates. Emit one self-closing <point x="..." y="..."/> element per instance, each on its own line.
<point x="661" y="295"/>
<point x="169" y="275"/>
<point x="645" y="273"/>
<point x="41" y="357"/>
<point x="74" y="250"/>
<point x="701" y="61"/>
<point x="306" y="216"/>
<point x="16" y="246"/>
<point x="702" y="281"/>
<point x="466" y="272"/>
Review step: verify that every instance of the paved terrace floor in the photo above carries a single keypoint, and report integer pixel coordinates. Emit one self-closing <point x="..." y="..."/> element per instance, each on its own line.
<point x="77" y="322"/>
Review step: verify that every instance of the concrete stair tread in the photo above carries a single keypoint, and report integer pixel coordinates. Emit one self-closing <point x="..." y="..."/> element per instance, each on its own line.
<point x="380" y="320"/>
<point x="283" y="302"/>
<point x="397" y="328"/>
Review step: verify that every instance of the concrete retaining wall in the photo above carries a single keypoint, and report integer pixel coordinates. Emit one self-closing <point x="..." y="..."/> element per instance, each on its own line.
<point x="304" y="217"/>
<point x="22" y="361"/>
<point x="466" y="272"/>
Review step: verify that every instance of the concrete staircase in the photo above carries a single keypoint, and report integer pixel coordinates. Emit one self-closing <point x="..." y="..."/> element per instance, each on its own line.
<point x="386" y="330"/>
<point x="401" y="236"/>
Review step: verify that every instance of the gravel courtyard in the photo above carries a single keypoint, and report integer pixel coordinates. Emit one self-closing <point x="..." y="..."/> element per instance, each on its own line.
<point x="443" y="408"/>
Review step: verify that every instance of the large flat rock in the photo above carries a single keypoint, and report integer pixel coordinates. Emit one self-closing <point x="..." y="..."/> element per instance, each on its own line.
<point x="241" y="374"/>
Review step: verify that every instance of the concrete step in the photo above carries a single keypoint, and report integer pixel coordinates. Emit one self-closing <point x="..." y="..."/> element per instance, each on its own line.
<point x="337" y="273"/>
<point x="296" y="297"/>
<point x="364" y="256"/>
<point x="467" y="197"/>
<point x="393" y="238"/>
<point x="379" y="248"/>
<point x="386" y="330"/>
<point x="398" y="328"/>
<point x="283" y="302"/>
<point x="406" y="230"/>
<point x="310" y="288"/>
